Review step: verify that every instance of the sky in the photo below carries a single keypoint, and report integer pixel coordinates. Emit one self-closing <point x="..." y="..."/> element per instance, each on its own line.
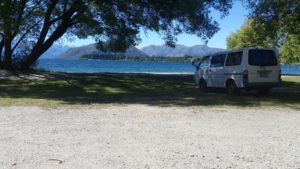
<point x="227" y="25"/>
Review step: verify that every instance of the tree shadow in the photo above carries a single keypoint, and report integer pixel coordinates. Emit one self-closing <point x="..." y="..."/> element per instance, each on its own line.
<point x="140" y="89"/>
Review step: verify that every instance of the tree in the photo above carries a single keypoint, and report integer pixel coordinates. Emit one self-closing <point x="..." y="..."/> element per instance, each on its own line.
<point x="28" y="28"/>
<point x="281" y="19"/>
<point x="277" y="16"/>
<point x="249" y="35"/>
<point x="290" y="51"/>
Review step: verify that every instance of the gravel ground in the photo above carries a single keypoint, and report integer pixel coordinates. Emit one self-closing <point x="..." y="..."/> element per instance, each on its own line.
<point x="141" y="136"/>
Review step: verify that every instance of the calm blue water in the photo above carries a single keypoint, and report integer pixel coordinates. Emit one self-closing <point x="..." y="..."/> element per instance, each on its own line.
<point x="96" y="66"/>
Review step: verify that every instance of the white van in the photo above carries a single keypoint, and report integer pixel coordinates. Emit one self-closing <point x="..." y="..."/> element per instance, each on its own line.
<point x="247" y="68"/>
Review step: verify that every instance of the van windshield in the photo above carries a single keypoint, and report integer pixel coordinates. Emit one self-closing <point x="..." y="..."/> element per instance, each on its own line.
<point x="204" y="62"/>
<point x="259" y="57"/>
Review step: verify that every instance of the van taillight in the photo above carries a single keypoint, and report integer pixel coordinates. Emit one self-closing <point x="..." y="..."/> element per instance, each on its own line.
<point x="245" y="76"/>
<point x="279" y="75"/>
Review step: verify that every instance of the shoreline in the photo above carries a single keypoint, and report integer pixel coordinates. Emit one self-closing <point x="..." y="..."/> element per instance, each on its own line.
<point x="45" y="74"/>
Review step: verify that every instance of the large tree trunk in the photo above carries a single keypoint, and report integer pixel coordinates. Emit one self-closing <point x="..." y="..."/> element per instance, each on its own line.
<point x="39" y="46"/>
<point x="43" y="47"/>
<point x="1" y="49"/>
<point x="1" y="64"/>
<point x="7" y="62"/>
<point x="30" y="59"/>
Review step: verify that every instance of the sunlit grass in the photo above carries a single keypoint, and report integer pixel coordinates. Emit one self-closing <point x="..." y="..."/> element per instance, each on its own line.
<point x="292" y="79"/>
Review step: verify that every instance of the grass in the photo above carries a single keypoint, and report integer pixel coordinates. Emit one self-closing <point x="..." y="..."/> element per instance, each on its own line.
<point x="137" y="89"/>
<point x="292" y="80"/>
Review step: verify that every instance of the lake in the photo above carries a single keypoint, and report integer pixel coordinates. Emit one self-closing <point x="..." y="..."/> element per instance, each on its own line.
<point x="97" y="66"/>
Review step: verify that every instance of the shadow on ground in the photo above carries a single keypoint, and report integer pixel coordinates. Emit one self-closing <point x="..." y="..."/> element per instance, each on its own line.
<point x="139" y="89"/>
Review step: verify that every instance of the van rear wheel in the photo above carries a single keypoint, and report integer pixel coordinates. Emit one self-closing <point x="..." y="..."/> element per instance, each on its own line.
<point x="202" y="86"/>
<point x="231" y="88"/>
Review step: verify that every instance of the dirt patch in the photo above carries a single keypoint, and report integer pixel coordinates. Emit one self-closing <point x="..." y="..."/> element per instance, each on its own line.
<point x="140" y="136"/>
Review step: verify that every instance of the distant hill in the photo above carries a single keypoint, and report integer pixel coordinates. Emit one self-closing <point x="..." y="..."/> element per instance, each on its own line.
<point x="54" y="51"/>
<point x="179" y="50"/>
<point x="90" y="50"/>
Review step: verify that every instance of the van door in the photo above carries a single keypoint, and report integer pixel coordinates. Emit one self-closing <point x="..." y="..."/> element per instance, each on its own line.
<point x="263" y="66"/>
<point x="203" y="66"/>
<point x="217" y="70"/>
<point x="233" y="68"/>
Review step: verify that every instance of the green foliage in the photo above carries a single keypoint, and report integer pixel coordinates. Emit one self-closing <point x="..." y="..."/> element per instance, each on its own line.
<point x="290" y="51"/>
<point x="248" y="35"/>
<point x="30" y="27"/>
<point x="278" y="16"/>
<point x="281" y="20"/>
<point x="252" y="35"/>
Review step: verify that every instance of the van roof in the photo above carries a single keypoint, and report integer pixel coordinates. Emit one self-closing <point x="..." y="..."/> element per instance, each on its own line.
<point x="238" y="50"/>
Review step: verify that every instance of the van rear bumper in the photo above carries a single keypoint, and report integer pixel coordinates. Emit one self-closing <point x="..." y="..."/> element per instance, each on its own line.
<point x="261" y="85"/>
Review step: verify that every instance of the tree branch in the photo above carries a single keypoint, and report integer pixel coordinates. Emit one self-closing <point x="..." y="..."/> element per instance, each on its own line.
<point x="59" y="31"/>
<point x="24" y="35"/>
<point x="55" y="19"/>
<point x="67" y="20"/>
<point x="45" y="27"/>
<point x="19" y="17"/>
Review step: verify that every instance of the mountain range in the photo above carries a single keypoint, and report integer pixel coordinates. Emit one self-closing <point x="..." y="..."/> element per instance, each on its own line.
<point x="78" y="52"/>
<point x="179" y="50"/>
<point x="66" y="52"/>
<point x="55" y="51"/>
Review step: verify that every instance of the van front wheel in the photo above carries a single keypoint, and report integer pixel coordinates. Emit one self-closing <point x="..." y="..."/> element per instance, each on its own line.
<point x="231" y="88"/>
<point x="202" y="86"/>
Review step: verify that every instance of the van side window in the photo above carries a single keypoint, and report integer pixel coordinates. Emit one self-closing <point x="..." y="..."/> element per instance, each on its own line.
<point x="204" y="62"/>
<point x="218" y="61"/>
<point x="234" y="59"/>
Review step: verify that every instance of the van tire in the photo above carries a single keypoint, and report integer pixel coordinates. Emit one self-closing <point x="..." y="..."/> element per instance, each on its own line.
<point x="231" y="88"/>
<point x="263" y="91"/>
<point x="202" y="86"/>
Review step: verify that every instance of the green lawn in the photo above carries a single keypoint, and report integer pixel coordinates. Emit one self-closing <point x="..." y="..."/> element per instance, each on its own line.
<point x="138" y="89"/>
<point x="292" y="80"/>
